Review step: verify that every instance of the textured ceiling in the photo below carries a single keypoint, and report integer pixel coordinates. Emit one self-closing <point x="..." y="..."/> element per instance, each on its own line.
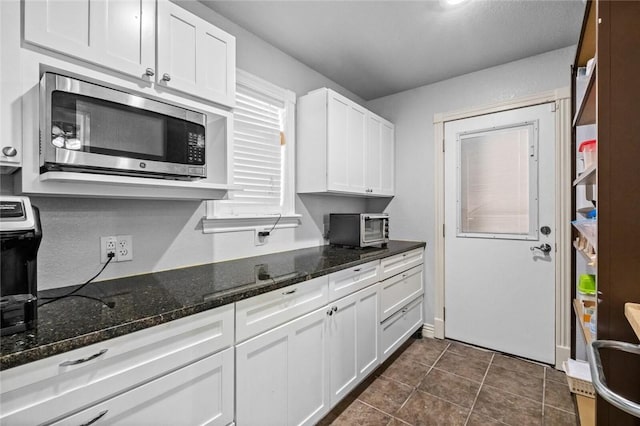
<point x="377" y="48"/>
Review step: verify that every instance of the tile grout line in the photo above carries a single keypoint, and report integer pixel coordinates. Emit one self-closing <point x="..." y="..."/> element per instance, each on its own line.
<point x="415" y="388"/>
<point x="479" y="389"/>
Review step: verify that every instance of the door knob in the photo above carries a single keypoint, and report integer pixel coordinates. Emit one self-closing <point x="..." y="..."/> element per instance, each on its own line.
<point x="150" y="72"/>
<point x="9" y="151"/>
<point x="545" y="248"/>
<point x="166" y="77"/>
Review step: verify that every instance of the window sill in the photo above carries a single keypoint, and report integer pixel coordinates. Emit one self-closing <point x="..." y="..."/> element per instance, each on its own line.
<point x="214" y="225"/>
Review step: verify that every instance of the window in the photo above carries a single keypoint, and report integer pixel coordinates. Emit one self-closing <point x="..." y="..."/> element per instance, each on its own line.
<point x="498" y="192"/>
<point x="263" y="155"/>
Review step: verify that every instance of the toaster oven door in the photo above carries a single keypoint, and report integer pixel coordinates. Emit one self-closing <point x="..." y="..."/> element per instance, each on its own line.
<point x="373" y="229"/>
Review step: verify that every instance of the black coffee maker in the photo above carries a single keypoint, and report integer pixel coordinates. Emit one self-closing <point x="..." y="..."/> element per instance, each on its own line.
<point x="20" y="236"/>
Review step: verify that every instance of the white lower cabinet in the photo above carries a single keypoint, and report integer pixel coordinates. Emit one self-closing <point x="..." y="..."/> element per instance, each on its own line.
<point x="281" y="375"/>
<point x="353" y="340"/>
<point x="199" y="394"/>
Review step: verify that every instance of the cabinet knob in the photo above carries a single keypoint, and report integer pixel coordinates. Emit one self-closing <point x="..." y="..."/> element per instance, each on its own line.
<point x="166" y="77"/>
<point x="9" y="151"/>
<point x="150" y="72"/>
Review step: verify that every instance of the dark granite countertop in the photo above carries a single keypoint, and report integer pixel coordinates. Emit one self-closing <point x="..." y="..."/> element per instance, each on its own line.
<point x="143" y="301"/>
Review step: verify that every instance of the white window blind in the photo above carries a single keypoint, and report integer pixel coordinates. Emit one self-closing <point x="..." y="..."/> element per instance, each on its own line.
<point x="263" y="123"/>
<point x="258" y="150"/>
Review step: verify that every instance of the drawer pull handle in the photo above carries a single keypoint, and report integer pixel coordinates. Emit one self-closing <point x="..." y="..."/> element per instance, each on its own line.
<point x="404" y="275"/>
<point x="290" y="291"/>
<point x="95" y="419"/>
<point x="335" y="309"/>
<point x="404" y="311"/>
<point x="83" y="360"/>
<point x="357" y="270"/>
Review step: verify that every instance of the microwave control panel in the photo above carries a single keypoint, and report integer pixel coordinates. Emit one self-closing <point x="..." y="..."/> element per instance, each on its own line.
<point x="195" y="148"/>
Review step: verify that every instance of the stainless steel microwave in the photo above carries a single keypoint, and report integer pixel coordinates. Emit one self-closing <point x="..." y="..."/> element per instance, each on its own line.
<point x="87" y="127"/>
<point x="358" y="229"/>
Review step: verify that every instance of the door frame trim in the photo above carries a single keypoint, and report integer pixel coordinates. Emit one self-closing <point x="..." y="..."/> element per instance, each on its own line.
<point x="562" y="99"/>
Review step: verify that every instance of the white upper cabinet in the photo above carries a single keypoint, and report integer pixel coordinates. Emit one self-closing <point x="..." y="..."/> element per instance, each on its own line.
<point x="116" y="34"/>
<point x="194" y="56"/>
<point x="342" y="148"/>
<point x="10" y="146"/>
<point x="379" y="162"/>
<point x="346" y="129"/>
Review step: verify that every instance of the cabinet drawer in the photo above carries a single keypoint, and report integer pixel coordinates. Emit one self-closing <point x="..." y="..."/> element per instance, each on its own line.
<point x="393" y="265"/>
<point x="345" y="282"/>
<point x="51" y="388"/>
<point x="398" y="290"/>
<point x="397" y="329"/>
<point x="268" y="310"/>
<point x="198" y="394"/>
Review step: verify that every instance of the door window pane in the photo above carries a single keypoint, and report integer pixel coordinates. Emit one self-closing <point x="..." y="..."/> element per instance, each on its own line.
<point x="498" y="182"/>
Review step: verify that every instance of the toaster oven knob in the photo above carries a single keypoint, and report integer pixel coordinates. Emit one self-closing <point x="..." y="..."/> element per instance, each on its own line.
<point x="9" y="151"/>
<point x="166" y="77"/>
<point x="150" y="72"/>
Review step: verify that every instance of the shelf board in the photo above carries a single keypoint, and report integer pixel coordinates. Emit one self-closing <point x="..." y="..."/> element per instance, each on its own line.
<point x="632" y="312"/>
<point x="591" y="261"/>
<point x="577" y="307"/>
<point x="115" y="186"/>
<point x="586" y="410"/>
<point x="587" y="46"/>
<point x="586" y="113"/>
<point x="588" y="177"/>
<point x="585" y="210"/>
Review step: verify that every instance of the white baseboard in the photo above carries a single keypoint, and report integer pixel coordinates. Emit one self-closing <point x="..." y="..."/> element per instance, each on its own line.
<point x="563" y="353"/>
<point x="428" y="331"/>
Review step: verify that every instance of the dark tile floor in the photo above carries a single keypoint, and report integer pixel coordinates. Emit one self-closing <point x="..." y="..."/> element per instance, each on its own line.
<point x="440" y="382"/>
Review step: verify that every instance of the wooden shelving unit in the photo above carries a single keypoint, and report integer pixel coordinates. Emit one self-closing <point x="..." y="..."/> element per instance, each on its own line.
<point x="608" y="112"/>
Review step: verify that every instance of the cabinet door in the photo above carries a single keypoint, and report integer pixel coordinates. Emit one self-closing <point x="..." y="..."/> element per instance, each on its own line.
<point x="373" y="152"/>
<point x="387" y="158"/>
<point x="10" y="85"/>
<point x="282" y="375"/>
<point x="201" y="393"/>
<point x="346" y="141"/>
<point x="123" y="35"/>
<point x="380" y="156"/>
<point x="353" y="340"/>
<point x="113" y="33"/>
<point x="194" y="56"/>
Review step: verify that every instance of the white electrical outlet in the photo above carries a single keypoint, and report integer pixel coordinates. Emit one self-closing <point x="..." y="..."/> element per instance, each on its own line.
<point x="261" y="240"/>
<point x="124" y="248"/>
<point x="107" y="245"/>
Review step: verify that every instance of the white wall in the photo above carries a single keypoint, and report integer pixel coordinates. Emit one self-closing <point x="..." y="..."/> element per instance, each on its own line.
<point x="412" y="111"/>
<point x="168" y="234"/>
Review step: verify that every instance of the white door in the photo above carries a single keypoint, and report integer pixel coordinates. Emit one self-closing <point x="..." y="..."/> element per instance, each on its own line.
<point x="499" y="219"/>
